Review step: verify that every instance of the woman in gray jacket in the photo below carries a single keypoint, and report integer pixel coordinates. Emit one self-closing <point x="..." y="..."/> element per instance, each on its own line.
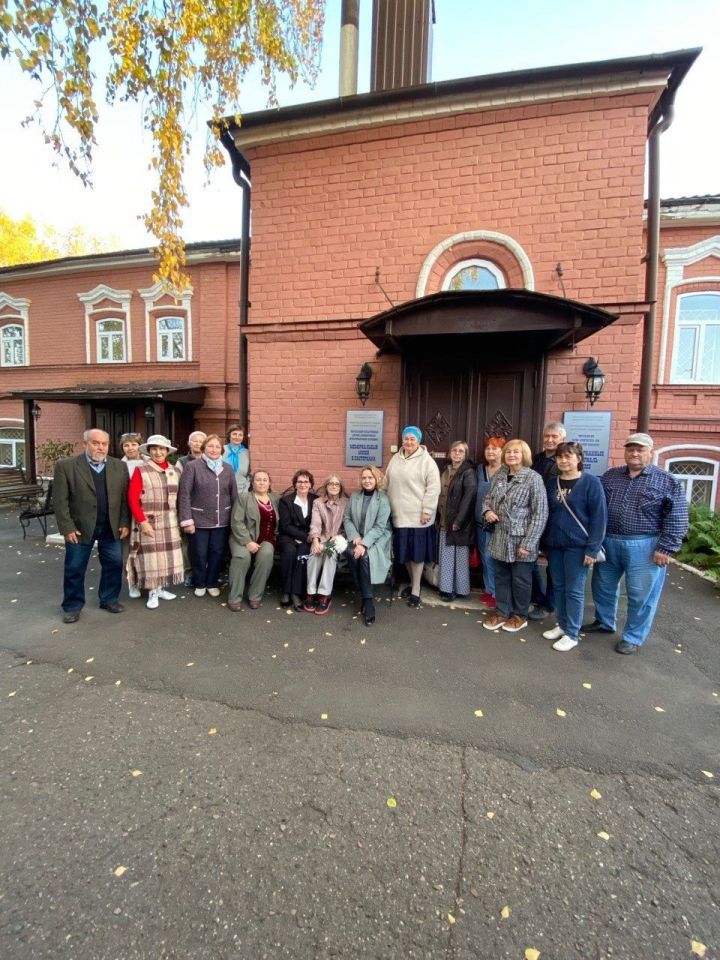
<point x="253" y="535"/>
<point x="369" y="534"/>
<point x="517" y="508"/>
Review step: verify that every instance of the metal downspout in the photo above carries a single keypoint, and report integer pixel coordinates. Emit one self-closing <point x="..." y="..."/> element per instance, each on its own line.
<point x="651" y="263"/>
<point x="241" y="176"/>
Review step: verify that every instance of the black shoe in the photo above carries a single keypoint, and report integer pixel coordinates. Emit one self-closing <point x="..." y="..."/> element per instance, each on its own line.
<point x="595" y="627"/>
<point x="405" y="593"/>
<point x="448" y="597"/>
<point x="71" y="616"/>
<point x="536" y="612"/>
<point x="413" y="601"/>
<point x="285" y="600"/>
<point x="112" y="607"/>
<point x="188" y="582"/>
<point x="368" y="612"/>
<point x="297" y="603"/>
<point x="622" y="646"/>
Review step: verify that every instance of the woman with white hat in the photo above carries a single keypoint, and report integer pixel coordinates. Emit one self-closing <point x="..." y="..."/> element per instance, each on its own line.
<point x="155" y="558"/>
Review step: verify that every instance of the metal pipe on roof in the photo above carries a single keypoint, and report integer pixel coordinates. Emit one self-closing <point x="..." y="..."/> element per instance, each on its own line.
<point x="349" y="33"/>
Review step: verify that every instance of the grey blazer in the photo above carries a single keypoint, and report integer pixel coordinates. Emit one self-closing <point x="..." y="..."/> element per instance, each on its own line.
<point x="76" y="502"/>
<point x="522" y="508"/>
<point x="245" y="521"/>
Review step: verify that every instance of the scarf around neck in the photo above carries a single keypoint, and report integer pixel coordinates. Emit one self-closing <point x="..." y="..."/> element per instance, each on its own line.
<point x="215" y="465"/>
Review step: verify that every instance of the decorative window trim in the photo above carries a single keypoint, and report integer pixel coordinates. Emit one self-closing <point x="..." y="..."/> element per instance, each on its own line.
<point x="490" y="236"/>
<point x="676" y="260"/>
<point x="484" y="264"/>
<point x="12" y="423"/>
<point x="713" y="479"/>
<point x="20" y="315"/>
<point x="94" y="312"/>
<point x="110" y="334"/>
<point x="159" y="337"/>
<point x="686" y="447"/>
<point x="676" y="338"/>
<point x="154" y="310"/>
<point x="13" y="324"/>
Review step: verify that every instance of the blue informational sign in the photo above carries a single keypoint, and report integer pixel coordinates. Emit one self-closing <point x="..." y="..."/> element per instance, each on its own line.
<point x="592" y="430"/>
<point x="364" y="438"/>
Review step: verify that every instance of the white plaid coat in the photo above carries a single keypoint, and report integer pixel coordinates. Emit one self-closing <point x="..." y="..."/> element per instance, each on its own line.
<point x="522" y="508"/>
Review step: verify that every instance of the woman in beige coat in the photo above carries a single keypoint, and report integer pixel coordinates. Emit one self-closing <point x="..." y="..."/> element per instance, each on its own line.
<point x="325" y="526"/>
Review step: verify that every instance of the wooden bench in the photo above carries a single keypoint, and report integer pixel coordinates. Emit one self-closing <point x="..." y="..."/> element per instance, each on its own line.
<point x="36" y="507"/>
<point x="14" y="486"/>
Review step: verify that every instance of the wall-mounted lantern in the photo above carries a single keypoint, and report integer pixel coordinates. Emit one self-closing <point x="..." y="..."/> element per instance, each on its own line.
<point x="36" y="411"/>
<point x="362" y="383"/>
<point x="594" y="380"/>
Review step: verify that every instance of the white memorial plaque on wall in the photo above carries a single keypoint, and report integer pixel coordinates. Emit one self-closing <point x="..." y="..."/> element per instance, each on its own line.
<point x="364" y="438"/>
<point x="591" y="429"/>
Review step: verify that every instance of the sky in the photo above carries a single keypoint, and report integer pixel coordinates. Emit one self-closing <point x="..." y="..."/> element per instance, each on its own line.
<point x="471" y="37"/>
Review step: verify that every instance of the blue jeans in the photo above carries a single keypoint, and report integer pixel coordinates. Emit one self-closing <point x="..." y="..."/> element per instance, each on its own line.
<point x="207" y="550"/>
<point x="631" y="557"/>
<point x="482" y="538"/>
<point x="77" y="556"/>
<point x="568" y="578"/>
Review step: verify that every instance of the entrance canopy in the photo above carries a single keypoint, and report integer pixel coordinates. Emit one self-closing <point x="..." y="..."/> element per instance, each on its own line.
<point x="521" y="320"/>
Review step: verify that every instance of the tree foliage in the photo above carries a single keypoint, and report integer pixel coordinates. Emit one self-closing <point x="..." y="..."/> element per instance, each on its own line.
<point x="23" y="241"/>
<point x="166" y="55"/>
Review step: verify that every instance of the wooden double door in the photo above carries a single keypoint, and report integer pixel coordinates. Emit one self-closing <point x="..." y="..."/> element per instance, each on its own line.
<point x="466" y="399"/>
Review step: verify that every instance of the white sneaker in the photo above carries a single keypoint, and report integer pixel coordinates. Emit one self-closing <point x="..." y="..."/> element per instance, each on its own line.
<point x="554" y="634"/>
<point x="165" y="594"/>
<point x="134" y="591"/>
<point x="153" y="600"/>
<point x="564" y="644"/>
<point x="214" y="591"/>
<point x="200" y="591"/>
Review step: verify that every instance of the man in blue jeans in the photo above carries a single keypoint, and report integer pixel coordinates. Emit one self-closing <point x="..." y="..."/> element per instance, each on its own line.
<point x="90" y="497"/>
<point x="647" y="520"/>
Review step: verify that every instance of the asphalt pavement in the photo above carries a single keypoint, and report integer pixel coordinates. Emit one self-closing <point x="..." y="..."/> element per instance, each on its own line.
<point x="195" y="783"/>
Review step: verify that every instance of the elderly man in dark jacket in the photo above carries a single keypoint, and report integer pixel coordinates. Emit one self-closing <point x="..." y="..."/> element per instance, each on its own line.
<point x="90" y="496"/>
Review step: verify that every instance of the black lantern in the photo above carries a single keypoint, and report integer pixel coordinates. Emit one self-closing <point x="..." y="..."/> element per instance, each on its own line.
<point x="362" y="383"/>
<point x="36" y="411"/>
<point x="150" y="411"/>
<point x="594" y="380"/>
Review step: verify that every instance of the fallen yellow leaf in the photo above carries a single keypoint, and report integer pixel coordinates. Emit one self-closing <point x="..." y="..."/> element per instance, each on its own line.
<point x="710" y="776"/>
<point x="118" y="682"/>
<point x="27" y="664"/>
<point x="391" y="802"/>
<point x="588" y="686"/>
<point x="560" y="713"/>
<point x="478" y="713"/>
<point x="212" y="731"/>
<point x="289" y="612"/>
<point x="323" y="716"/>
<point x="328" y="634"/>
<point x="490" y="814"/>
<point x="532" y="954"/>
<point x="699" y="949"/>
<point x="595" y="794"/>
<point x="88" y="679"/>
<point x="311" y="649"/>
<point x="451" y="918"/>
<point x="362" y="642"/>
<point x="119" y="871"/>
<point x="90" y="660"/>
<point x="191" y="664"/>
<point x="137" y="773"/>
<point x="603" y="835"/>
<point x="505" y="912"/>
<point x="71" y="669"/>
<point x="659" y="709"/>
<point x="286" y="645"/>
<point x="12" y="693"/>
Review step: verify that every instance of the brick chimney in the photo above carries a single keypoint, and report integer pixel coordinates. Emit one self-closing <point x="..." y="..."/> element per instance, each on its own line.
<point x="401" y="43"/>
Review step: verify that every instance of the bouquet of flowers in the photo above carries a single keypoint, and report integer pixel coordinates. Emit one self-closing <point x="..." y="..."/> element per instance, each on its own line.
<point x="338" y="545"/>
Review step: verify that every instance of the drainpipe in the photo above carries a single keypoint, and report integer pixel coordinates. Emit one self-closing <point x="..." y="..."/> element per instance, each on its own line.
<point x="658" y="125"/>
<point x="349" y="23"/>
<point x="241" y="176"/>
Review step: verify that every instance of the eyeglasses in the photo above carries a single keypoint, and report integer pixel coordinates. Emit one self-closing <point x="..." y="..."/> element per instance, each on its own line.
<point x="298" y="482"/>
<point x="334" y="483"/>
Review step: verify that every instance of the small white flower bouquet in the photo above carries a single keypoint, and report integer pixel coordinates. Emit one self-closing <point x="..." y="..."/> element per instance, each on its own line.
<point x="338" y="545"/>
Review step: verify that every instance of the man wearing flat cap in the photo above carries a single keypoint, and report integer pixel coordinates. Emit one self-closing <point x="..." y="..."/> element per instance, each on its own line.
<point x="90" y="496"/>
<point x="647" y="520"/>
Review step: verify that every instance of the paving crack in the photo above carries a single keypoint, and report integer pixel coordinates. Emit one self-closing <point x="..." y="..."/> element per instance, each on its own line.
<point x="465" y="820"/>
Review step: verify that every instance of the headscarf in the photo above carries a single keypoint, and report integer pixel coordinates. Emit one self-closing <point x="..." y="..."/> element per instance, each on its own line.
<point x="414" y="431"/>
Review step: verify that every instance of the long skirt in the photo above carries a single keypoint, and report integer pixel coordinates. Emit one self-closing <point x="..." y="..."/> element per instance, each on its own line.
<point x="454" y="568"/>
<point x="414" y="544"/>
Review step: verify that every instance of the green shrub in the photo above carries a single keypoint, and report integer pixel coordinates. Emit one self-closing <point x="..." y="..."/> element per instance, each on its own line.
<point x="49" y="452"/>
<point x="702" y="546"/>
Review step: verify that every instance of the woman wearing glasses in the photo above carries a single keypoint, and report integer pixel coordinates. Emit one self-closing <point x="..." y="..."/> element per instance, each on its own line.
<point x="326" y="524"/>
<point x="295" y="511"/>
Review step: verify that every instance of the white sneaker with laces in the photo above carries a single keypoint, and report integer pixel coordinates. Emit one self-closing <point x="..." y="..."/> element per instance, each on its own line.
<point x="153" y="600"/>
<point x="564" y="644"/>
<point x="165" y="594"/>
<point x="200" y="591"/>
<point x="134" y="591"/>
<point x="554" y="634"/>
<point x="213" y="591"/>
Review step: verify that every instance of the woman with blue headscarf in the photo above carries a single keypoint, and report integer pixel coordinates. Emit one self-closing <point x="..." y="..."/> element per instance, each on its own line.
<point x="237" y="455"/>
<point x="412" y="483"/>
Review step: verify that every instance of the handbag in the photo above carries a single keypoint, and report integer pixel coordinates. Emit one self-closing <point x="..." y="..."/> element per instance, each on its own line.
<point x="600" y="558"/>
<point x="431" y="573"/>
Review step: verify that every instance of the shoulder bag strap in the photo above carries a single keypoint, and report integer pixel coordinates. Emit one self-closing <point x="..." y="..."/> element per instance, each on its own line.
<point x="563" y="499"/>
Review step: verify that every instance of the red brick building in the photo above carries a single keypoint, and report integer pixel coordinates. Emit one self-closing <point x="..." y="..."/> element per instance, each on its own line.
<point x="473" y="241"/>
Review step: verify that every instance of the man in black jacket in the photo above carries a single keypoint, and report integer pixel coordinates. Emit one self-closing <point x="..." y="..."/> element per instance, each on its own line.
<point x="90" y="496"/>
<point x="543" y="596"/>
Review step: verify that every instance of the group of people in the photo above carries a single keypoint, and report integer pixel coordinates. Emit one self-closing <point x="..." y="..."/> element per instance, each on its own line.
<point x="182" y="520"/>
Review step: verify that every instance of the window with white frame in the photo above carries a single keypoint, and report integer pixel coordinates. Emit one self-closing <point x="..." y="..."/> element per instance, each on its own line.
<point x="111" y="347"/>
<point x="171" y="338"/>
<point x="474" y="275"/>
<point x="696" y="357"/>
<point x="12" y="447"/>
<point x="13" y="345"/>
<point x="698" y="477"/>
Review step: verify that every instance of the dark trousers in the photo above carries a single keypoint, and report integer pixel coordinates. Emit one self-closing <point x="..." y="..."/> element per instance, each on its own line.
<point x="207" y="550"/>
<point x="293" y="571"/>
<point x="360" y="570"/>
<point x="77" y="556"/>
<point x="513" y="586"/>
<point x="543" y="595"/>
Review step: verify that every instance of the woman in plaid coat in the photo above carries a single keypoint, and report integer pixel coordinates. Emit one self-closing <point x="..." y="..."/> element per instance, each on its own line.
<point x="516" y="509"/>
